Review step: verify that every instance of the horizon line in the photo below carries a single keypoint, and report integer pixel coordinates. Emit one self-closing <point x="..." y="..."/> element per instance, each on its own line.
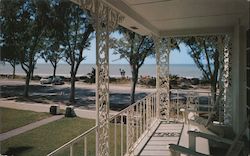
<point x="127" y="63"/>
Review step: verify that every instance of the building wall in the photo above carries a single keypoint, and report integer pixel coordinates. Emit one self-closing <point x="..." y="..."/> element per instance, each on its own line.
<point x="248" y="74"/>
<point x="239" y="80"/>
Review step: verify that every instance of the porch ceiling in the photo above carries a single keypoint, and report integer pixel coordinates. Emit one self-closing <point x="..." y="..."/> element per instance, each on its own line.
<point x="182" y="17"/>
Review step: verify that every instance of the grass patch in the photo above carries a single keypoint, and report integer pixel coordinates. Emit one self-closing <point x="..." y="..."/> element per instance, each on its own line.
<point x="47" y="138"/>
<point x="12" y="118"/>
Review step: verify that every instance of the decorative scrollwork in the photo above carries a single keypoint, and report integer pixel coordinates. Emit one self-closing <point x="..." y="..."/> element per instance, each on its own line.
<point x="162" y="56"/>
<point x="227" y="80"/>
<point x="105" y="19"/>
<point x="223" y="102"/>
<point x="102" y="101"/>
<point x="131" y="129"/>
<point x="106" y="15"/>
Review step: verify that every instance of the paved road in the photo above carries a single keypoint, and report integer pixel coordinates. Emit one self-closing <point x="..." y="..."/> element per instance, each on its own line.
<point x="57" y="94"/>
<point x="28" y="127"/>
<point x="36" y="107"/>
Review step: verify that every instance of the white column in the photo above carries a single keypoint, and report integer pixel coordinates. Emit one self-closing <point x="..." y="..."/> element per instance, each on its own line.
<point x="227" y="80"/>
<point x="105" y="20"/>
<point x="162" y="80"/>
<point x="157" y="44"/>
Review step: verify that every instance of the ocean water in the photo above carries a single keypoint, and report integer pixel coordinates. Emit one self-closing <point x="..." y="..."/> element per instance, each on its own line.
<point x="183" y="70"/>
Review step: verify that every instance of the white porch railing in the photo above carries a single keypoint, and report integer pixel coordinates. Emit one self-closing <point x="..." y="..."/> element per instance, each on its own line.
<point x="129" y="126"/>
<point x="79" y="145"/>
<point x="182" y="100"/>
<point x="198" y="102"/>
<point x="134" y="122"/>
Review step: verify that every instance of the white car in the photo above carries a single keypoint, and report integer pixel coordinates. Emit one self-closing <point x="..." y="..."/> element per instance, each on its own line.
<point x="57" y="80"/>
<point x="46" y="80"/>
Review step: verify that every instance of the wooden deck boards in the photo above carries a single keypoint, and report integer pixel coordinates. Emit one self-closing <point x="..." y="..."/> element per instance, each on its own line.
<point x="158" y="144"/>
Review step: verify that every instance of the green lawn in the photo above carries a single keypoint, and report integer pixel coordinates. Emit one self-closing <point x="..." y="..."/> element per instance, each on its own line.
<point x="12" y="118"/>
<point x="47" y="138"/>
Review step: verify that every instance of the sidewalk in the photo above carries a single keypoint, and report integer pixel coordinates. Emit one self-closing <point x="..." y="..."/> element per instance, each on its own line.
<point x="28" y="127"/>
<point x="37" y="107"/>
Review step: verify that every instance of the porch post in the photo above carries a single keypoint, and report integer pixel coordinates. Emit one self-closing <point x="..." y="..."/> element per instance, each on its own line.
<point x="105" y="20"/>
<point x="227" y="79"/>
<point x="162" y="80"/>
<point x="238" y="77"/>
<point x="157" y="44"/>
<point x="224" y="100"/>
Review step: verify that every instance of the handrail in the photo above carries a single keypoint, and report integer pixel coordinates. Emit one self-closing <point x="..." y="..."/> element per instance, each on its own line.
<point x="194" y="91"/>
<point x="73" y="141"/>
<point x="132" y="123"/>
<point x="135" y="121"/>
<point x="130" y="106"/>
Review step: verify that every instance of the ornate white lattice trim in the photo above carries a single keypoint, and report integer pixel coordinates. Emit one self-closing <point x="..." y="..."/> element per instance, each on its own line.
<point x="227" y="80"/>
<point x="162" y="60"/>
<point x="98" y="7"/>
<point x="105" y="19"/>
<point x="130" y="130"/>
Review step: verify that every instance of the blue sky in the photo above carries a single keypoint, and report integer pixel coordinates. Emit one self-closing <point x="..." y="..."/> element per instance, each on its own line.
<point x="176" y="57"/>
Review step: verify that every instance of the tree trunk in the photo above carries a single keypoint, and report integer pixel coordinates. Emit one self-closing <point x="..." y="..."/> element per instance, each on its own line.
<point x="133" y="86"/>
<point x="27" y="82"/>
<point x="72" y="89"/>
<point x="14" y="69"/>
<point x="213" y="91"/>
<point x="32" y="71"/>
<point x="14" y="72"/>
<point x="214" y="98"/>
<point x="54" y="70"/>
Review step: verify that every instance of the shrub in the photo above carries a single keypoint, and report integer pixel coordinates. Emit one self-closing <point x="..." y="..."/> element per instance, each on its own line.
<point x="53" y="110"/>
<point x="173" y="82"/>
<point x="91" y="76"/>
<point x="195" y="81"/>
<point x="148" y="81"/>
<point x="70" y="112"/>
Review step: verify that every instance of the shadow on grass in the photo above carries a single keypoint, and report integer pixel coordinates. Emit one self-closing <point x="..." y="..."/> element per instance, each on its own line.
<point x="17" y="150"/>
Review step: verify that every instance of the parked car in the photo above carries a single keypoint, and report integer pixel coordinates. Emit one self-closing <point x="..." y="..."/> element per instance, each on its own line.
<point x="57" y="80"/>
<point x="46" y="80"/>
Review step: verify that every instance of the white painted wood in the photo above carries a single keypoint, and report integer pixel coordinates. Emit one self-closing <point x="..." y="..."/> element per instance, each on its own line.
<point x="144" y="140"/>
<point x="238" y="76"/>
<point x="156" y="153"/>
<point x="176" y="150"/>
<point x="202" y="144"/>
<point x="154" y="148"/>
<point x="155" y="17"/>
<point x="163" y="138"/>
<point x="71" y="150"/>
<point x="133" y="18"/>
<point x="159" y="142"/>
<point x="73" y="141"/>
